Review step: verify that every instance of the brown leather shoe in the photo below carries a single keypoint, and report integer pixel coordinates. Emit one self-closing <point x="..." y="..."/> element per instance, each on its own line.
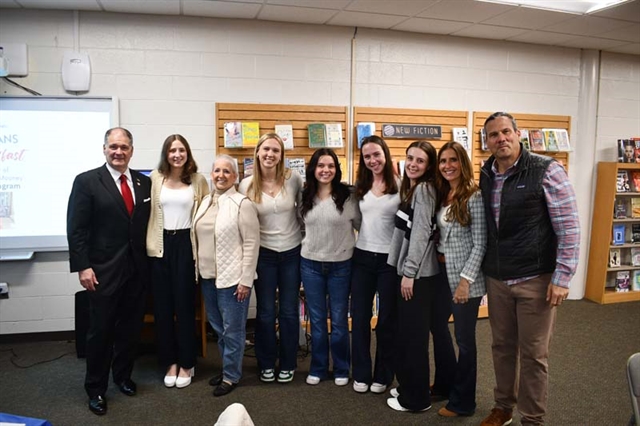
<point x="498" y="417"/>
<point x="444" y="412"/>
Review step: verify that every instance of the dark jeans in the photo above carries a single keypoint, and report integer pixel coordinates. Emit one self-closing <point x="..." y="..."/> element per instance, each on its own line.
<point x="174" y="294"/>
<point x="278" y="273"/>
<point x="371" y="274"/>
<point x="444" y="355"/>
<point x="412" y="355"/>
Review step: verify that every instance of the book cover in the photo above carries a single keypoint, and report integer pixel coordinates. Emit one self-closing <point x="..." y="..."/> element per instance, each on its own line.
<point x="626" y="151"/>
<point x="233" y="134"/>
<point x="524" y="138"/>
<point x="250" y="134"/>
<point x="483" y="140"/>
<point x="334" y="135"/>
<point x="461" y="136"/>
<point x="635" y="233"/>
<point x="635" y="284"/>
<point x="635" y="207"/>
<point x="635" y="256"/>
<point x="618" y="234"/>
<point x="562" y="136"/>
<point x="623" y="282"/>
<point x="536" y="139"/>
<point x="285" y="131"/>
<point x="614" y="258"/>
<point x="635" y="179"/>
<point x="297" y="166"/>
<point x="621" y="210"/>
<point x="317" y="135"/>
<point x="622" y="181"/>
<point x="248" y="167"/>
<point x="363" y="130"/>
<point x="343" y="168"/>
<point x="550" y="139"/>
<point x="636" y="142"/>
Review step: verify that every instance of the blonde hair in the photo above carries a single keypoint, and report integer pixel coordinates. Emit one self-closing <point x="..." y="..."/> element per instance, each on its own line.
<point x="254" y="191"/>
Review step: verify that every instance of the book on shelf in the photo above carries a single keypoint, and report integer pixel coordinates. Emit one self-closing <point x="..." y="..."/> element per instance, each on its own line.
<point x="536" y="139"/>
<point x="297" y="166"/>
<point x="285" y="131"/>
<point x="618" y="234"/>
<point x="550" y="140"/>
<point x="233" y="134"/>
<point x="635" y="256"/>
<point x="248" y="166"/>
<point x="333" y="133"/>
<point x="614" y="258"/>
<point x="461" y="136"/>
<point x="635" y="233"/>
<point x="364" y="130"/>
<point x="635" y="179"/>
<point x="622" y="181"/>
<point x="635" y="284"/>
<point x="562" y="137"/>
<point x="483" y="140"/>
<point x="635" y="207"/>
<point x="317" y="135"/>
<point x="627" y="151"/>
<point x="524" y="138"/>
<point x="623" y="281"/>
<point x="620" y="210"/>
<point x="250" y="134"/>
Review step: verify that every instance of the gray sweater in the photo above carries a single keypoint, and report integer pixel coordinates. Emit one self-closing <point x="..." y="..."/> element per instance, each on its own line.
<point x="412" y="250"/>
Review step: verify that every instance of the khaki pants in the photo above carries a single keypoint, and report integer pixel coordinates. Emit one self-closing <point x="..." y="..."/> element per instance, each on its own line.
<point x="522" y="324"/>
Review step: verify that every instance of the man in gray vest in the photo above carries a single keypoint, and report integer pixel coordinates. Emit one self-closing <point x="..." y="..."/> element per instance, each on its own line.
<point x="532" y="254"/>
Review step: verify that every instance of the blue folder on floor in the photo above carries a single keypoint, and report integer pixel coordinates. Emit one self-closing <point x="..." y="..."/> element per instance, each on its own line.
<point x="10" y="419"/>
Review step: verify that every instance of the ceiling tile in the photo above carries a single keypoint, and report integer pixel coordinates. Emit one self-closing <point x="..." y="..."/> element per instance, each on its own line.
<point x="61" y="4"/>
<point x="430" y="26"/>
<point x="9" y="4"/>
<point x="156" y="7"/>
<point x="221" y="9"/>
<point x="488" y="31"/>
<point x="396" y="7"/>
<point x="542" y="37"/>
<point x="585" y="26"/>
<point x="464" y="10"/>
<point x="627" y="11"/>
<point x="629" y="33"/>
<point x="324" y="4"/>
<point x="591" y="43"/>
<point x="632" y="49"/>
<point x="303" y="15"/>
<point x="370" y="20"/>
<point x="527" y="18"/>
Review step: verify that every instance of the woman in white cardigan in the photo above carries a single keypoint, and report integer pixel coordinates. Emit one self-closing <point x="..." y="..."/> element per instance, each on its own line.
<point x="227" y="234"/>
<point x="176" y="190"/>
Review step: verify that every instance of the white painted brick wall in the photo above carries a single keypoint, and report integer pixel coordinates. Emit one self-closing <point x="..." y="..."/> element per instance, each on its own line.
<point x="169" y="72"/>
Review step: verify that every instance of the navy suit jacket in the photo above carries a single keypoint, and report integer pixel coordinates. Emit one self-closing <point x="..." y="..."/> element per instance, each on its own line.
<point x="100" y="232"/>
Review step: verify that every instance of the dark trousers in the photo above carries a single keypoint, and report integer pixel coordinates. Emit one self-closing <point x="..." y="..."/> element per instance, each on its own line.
<point x="444" y="355"/>
<point x="412" y="358"/>
<point x="371" y="274"/>
<point x="114" y="332"/>
<point x="174" y="309"/>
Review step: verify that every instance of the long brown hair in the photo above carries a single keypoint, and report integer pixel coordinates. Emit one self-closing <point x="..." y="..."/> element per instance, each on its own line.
<point x="254" y="191"/>
<point x="364" y="180"/>
<point x="339" y="191"/>
<point x="429" y="176"/>
<point x="458" y="209"/>
<point x="190" y="166"/>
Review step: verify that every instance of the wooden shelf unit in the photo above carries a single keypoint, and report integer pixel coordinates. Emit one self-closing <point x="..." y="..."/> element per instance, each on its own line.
<point x="599" y="272"/>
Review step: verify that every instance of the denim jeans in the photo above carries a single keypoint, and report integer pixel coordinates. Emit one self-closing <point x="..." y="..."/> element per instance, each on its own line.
<point x="372" y="274"/>
<point x="322" y="279"/>
<point x="228" y="317"/>
<point x="281" y="272"/>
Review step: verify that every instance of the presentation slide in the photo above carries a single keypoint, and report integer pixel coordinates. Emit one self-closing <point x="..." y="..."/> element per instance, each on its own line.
<point x="44" y="144"/>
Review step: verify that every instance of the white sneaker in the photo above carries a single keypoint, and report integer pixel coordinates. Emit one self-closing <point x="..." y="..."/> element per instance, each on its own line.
<point x="360" y="387"/>
<point x="341" y="381"/>
<point x="395" y="404"/>
<point x="378" y="387"/>
<point x="313" y="380"/>
<point x="394" y="392"/>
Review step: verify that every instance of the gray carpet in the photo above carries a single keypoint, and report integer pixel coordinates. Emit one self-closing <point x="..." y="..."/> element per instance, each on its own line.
<point x="588" y="384"/>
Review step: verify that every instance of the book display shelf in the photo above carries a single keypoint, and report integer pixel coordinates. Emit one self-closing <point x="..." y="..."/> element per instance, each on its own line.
<point x="614" y="253"/>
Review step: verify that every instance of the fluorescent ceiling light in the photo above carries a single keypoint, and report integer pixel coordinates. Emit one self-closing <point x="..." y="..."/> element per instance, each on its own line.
<point x="580" y="7"/>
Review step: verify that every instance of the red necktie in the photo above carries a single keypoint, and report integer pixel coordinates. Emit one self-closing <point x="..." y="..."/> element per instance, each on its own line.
<point x="126" y="194"/>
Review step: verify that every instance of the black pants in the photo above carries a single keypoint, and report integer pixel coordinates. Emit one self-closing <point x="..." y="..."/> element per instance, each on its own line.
<point x="174" y="297"/>
<point x="116" y="321"/>
<point x="412" y="361"/>
<point x="443" y="352"/>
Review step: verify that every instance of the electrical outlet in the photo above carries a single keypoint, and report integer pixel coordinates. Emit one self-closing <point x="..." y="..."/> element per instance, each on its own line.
<point x="16" y="58"/>
<point x="4" y="290"/>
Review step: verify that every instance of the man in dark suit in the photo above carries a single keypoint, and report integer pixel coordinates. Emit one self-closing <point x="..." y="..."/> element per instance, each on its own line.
<point x="106" y="229"/>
